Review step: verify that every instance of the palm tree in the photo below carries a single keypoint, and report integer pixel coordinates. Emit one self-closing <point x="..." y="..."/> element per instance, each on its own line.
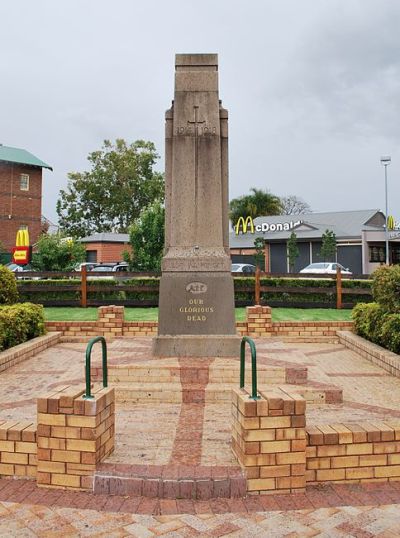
<point x="259" y="204"/>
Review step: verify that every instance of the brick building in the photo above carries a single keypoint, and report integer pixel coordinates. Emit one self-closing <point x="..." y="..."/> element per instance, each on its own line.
<point x="20" y="194"/>
<point x="106" y="247"/>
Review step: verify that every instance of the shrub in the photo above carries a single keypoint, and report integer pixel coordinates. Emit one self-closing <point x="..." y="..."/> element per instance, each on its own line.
<point x="386" y="287"/>
<point x="390" y="332"/>
<point x="368" y="319"/>
<point x="8" y="286"/>
<point x="19" y="323"/>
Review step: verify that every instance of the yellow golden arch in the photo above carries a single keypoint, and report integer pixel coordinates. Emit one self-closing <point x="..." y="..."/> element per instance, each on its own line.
<point x="248" y="222"/>
<point x="390" y="222"/>
<point x="22" y="238"/>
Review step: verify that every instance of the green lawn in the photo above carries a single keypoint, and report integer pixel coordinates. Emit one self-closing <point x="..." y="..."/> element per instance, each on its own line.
<point x="150" y="314"/>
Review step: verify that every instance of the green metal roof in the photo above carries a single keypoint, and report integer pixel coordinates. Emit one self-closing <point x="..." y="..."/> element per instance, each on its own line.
<point x="16" y="155"/>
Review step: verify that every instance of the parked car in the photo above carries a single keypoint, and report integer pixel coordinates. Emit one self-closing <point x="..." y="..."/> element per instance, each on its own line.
<point x="118" y="268"/>
<point x="243" y="268"/>
<point x="325" y="268"/>
<point x="89" y="266"/>
<point x="19" y="271"/>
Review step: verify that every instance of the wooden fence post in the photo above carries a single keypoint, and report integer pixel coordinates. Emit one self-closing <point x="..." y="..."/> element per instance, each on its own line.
<point x="338" y="288"/>
<point x="257" y="286"/>
<point x="83" y="286"/>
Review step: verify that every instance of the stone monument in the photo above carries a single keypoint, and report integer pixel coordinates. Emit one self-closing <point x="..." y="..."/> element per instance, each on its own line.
<point x="196" y="307"/>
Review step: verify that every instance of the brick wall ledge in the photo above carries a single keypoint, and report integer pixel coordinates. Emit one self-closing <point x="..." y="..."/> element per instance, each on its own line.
<point x="24" y="351"/>
<point x="357" y="452"/>
<point x="378" y="355"/>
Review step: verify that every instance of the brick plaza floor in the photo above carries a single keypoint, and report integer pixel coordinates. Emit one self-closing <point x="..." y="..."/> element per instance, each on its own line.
<point x="163" y="433"/>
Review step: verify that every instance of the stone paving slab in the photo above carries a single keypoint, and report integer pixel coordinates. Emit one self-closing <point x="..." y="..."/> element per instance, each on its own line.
<point x="363" y="511"/>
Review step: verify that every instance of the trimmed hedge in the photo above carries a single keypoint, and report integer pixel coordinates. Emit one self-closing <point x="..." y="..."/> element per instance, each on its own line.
<point x="379" y="322"/>
<point x="19" y="323"/>
<point x="8" y="286"/>
<point x="241" y="297"/>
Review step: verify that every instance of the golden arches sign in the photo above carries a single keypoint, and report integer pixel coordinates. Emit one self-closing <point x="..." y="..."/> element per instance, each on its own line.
<point x="391" y="222"/>
<point x="248" y="222"/>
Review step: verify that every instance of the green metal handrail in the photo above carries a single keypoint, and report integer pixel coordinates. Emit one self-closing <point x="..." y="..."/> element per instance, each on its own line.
<point x="254" y="392"/>
<point x="88" y="394"/>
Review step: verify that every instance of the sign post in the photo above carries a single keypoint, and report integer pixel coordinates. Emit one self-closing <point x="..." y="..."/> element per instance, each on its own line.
<point x="22" y="252"/>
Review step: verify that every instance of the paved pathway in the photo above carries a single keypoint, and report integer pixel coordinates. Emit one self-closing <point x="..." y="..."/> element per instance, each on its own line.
<point x="331" y="511"/>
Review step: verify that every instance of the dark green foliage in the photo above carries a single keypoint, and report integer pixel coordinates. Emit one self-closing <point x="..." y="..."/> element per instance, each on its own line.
<point x="19" y="323"/>
<point x="292" y="251"/>
<point x="146" y="237"/>
<point x="110" y="196"/>
<point x="368" y="319"/>
<point x="386" y="287"/>
<point x="379" y="322"/>
<point x="8" y="286"/>
<point x="259" y="245"/>
<point x="258" y="204"/>
<point x="328" y="248"/>
<point x="390" y="332"/>
<point x="55" y="252"/>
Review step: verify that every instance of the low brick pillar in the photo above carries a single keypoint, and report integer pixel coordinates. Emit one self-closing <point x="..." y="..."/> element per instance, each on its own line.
<point x="111" y="320"/>
<point x="73" y="436"/>
<point x="269" y="440"/>
<point x="259" y="321"/>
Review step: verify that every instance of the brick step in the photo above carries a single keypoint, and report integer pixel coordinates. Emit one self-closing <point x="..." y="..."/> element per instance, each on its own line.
<point x="215" y="393"/>
<point x="127" y="373"/>
<point x="170" y="481"/>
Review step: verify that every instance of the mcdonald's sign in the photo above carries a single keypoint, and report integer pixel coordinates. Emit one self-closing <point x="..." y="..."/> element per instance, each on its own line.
<point x="244" y="224"/>
<point x="22" y="250"/>
<point x="392" y="224"/>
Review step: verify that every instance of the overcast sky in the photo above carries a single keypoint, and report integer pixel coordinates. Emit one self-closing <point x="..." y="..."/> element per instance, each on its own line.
<point x="312" y="88"/>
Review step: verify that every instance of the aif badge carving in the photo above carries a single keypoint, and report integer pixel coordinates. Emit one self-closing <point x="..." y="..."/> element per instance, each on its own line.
<point x="196" y="287"/>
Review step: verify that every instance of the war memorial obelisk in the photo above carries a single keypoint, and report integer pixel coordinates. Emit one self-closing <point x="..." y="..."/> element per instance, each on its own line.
<point x="196" y="306"/>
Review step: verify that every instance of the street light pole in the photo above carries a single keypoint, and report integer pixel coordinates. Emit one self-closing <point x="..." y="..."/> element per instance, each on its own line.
<point x="386" y="160"/>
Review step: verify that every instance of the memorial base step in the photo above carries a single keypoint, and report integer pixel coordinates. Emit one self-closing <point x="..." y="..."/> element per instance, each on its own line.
<point x="170" y="481"/>
<point x="214" y="393"/>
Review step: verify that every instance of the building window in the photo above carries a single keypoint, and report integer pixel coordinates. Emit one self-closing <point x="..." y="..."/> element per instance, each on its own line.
<point x="377" y="254"/>
<point x="24" y="182"/>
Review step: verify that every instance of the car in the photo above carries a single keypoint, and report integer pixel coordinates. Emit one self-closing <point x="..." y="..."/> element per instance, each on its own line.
<point x="121" y="267"/>
<point x="20" y="269"/>
<point x="89" y="266"/>
<point x="325" y="268"/>
<point x="243" y="268"/>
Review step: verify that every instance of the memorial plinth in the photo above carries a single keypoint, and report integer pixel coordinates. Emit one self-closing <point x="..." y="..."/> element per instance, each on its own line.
<point x="196" y="307"/>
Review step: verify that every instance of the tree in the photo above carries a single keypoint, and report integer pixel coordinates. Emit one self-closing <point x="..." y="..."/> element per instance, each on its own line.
<point x="146" y="237"/>
<point x="109" y="197"/>
<point x="55" y="252"/>
<point x="292" y="205"/>
<point x="292" y="251"/>
<point x="258" y="204"/>
<point x="328" y="248"/>
<point x="259" y="245"/>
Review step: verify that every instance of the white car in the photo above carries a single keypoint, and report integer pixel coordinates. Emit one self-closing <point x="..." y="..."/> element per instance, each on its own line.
<point x="243" y="268"/>
<point x="325" y="268"/>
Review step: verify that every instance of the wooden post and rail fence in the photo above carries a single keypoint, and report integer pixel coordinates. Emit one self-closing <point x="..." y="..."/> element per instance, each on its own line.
<point x="97" y="288"/>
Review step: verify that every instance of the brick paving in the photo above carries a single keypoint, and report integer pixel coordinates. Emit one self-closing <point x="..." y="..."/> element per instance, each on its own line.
<point x="199" y="434"/>
<point x="368" y="393"/>
<point x="327" y="511"/>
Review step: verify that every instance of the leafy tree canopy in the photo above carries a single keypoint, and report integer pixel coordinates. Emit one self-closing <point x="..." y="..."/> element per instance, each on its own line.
<point x="56" y="252"/>
<point x="146" y="237"/>
<point x="110" y="196"/>
<point x="292" y="251"/>
<point x="258" y="204"/>
<point x="328" y="248"/>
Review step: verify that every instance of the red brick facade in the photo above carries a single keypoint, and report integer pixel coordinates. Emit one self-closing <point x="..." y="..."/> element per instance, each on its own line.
<point x="107" y="252"/>
<point x="19" y="207"/>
